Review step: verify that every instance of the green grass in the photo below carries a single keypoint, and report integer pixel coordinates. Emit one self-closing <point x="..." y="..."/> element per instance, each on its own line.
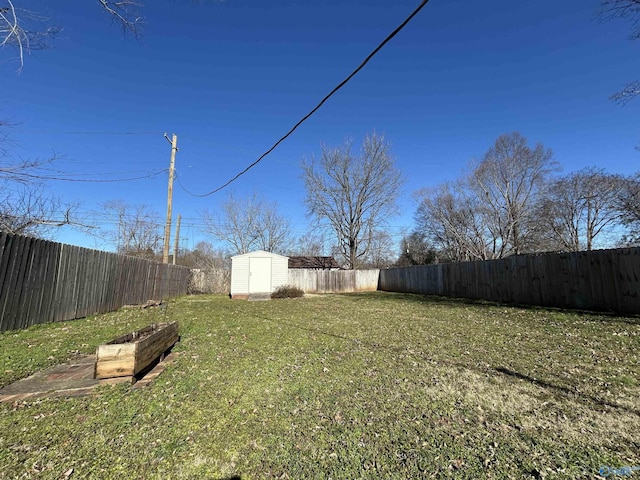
<point x="342" y="386"/>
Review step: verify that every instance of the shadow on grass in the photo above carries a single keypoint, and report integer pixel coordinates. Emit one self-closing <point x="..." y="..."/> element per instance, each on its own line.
<point x="565" y="391"/>
<point x="554" y="389"/>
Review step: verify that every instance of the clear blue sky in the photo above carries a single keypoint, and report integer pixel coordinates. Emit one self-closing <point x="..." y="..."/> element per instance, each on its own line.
<point x="230" y="78"/>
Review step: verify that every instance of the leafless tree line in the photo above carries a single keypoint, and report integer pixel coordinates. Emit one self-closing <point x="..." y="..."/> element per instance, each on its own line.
<point x="510" y="203"/>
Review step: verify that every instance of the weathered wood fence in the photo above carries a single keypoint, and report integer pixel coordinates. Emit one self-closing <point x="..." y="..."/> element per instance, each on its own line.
<point x="210" y="281"/>
<point x="43" y="281"/>
<point x="333" y="281"/>
<point x="603" y="280"/>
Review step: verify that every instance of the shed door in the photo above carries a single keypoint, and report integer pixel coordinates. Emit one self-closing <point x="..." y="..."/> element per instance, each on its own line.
<point x="259" y="275"/>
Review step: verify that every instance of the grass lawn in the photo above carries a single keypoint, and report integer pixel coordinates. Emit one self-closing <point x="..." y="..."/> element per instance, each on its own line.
<point x="344" y="386"/>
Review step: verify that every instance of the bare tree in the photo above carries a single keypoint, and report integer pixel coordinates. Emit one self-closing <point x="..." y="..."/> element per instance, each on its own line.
<point x="211" y="268"/>
<point x="25" y="30"/>
<point x="630" y="10"/>
<point x="125" y="13"/>
<point x="449" y="218"/>
<point x="273" y="231"/>
<point x="30" y="210"/>
<point x="507" y="184"/>
<point x="26" y="207"/>
<point x="205" y="256"/>
<point x="353" y="195"/>
<point x="581" y="206"/>
<point x="490" y="212"/>
<point x="308" y="244"/>
<point x="416" y="250"/>
<point x="628" y="204"/>
<point x="249" y="224"/>
<point x="382" y="251"/>
<point x="137" y="229"/>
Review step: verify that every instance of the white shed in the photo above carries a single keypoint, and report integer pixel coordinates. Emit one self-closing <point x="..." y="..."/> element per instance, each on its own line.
<point x="257" y="273"/>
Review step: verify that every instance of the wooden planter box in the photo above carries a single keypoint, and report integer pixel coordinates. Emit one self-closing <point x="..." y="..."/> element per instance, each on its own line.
<point x="131" y="354"/>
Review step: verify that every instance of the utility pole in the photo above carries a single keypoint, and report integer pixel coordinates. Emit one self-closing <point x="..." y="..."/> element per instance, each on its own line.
<point x="177" y="240"/>
<point x="167" y="227"/>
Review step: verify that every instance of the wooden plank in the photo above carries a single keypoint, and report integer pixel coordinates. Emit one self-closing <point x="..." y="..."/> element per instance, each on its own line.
<point x="62" y="285"/>
<point x="11" y="290"/>
<point x="6" y="262"/>
<point x="100" y="281"/>
<point x="152" y="347"/>
<point x="35" y="285"/>
<point x="115" y="360"/>
<point x="81" y="283"/>
<point x="19" y="291"/>
<point x="70" y="284"/>
<point x="108" y="282"/>
<point x="115" y="368"/>
<point x="53" y="259"/>
<point x="115" y="351"/>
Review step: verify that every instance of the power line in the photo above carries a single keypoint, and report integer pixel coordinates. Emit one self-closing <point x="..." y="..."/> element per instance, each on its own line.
<point x="88" y="180"/>
<point x="317" y="107"/>
<point x="78" y="132"/>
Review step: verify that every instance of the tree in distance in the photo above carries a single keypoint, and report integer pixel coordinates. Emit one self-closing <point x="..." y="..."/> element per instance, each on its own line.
<point x="138" y="229"/>
<point x="353" y="195"/>
<point x="415" y="250"/>
<point x="489" y="213"/>
<point x="579" y="207"/>
<point x="628" y="205"/>
<point x="247" y="224"/>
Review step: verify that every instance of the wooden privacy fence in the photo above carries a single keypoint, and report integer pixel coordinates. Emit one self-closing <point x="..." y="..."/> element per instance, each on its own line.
<point x="604" y="280"/>
<point x="210" y="281"/>
<point x="43" y="281"/>
<point x="333" y="281"/>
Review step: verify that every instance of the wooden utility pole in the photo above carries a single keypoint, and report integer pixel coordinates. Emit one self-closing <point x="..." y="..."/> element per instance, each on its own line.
<point x="167" y="227"/>
<point x="177" y="239"/>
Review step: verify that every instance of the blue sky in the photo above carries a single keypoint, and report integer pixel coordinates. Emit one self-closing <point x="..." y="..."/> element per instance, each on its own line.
<point x="230" y="78"/>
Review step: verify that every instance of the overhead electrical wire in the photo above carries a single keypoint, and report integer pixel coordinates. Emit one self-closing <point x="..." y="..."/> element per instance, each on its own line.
<point x="317" y="107"/>
<point x="80" y="132"/>
<point x="18" y="175"/>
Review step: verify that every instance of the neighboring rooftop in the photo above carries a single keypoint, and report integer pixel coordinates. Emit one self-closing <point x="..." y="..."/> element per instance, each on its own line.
<point x="324" y="263"/>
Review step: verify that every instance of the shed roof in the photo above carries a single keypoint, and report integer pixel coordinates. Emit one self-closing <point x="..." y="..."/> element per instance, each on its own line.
<point x="259" y="253"/>
<point x="324" y="263"/>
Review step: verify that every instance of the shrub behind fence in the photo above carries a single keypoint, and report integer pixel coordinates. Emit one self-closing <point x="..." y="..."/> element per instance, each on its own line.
<point x="604" y="280"/>
<point x="43" y="281"/>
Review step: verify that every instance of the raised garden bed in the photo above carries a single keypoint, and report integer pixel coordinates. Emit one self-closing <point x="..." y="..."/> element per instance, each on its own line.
<point x="132" y="354"/>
